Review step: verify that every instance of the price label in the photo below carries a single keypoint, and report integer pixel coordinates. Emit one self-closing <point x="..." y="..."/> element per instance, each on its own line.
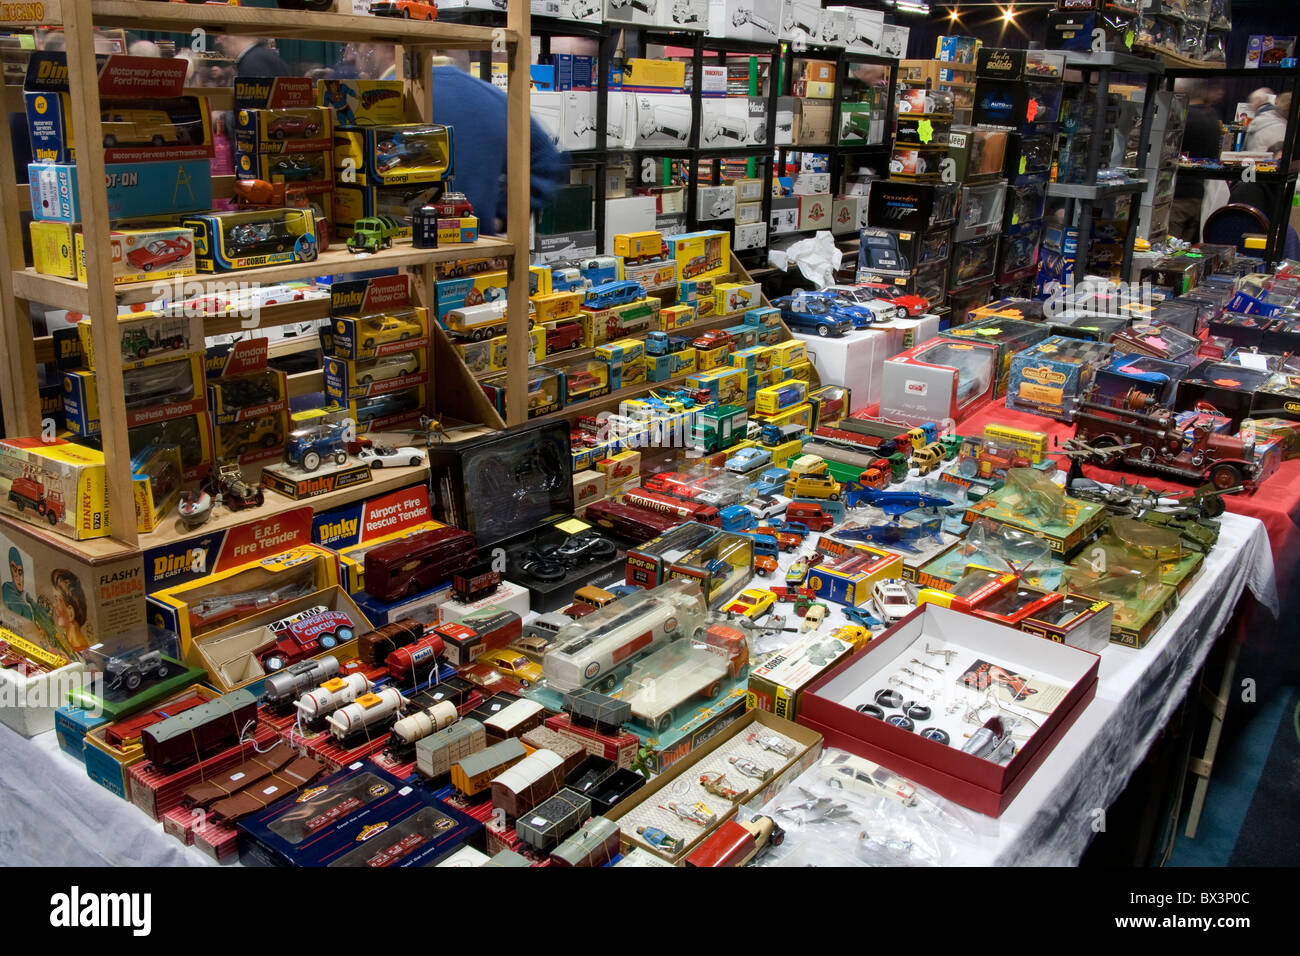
<point x="43" y="13"/>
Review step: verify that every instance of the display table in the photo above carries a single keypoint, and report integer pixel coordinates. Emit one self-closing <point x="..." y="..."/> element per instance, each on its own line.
<point x="55" y="814"/>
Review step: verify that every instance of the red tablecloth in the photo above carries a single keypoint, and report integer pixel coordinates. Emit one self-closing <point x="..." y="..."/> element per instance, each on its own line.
<point x="1276" y="502"/>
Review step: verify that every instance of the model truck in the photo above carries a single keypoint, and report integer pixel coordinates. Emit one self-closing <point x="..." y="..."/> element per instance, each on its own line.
<point x="138" y="343"/>
<point x="1153" y="441"/>
<point x="662" y="683"/>
<point x="372" y="233"/>
<point x="27" y="493"/>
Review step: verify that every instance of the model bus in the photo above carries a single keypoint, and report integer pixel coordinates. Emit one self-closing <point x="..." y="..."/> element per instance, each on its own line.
<point x="599" y="650"/>
<point x="665" y="504"/>
<point x="1032" y="444"/>
<point x="628" y="521"/>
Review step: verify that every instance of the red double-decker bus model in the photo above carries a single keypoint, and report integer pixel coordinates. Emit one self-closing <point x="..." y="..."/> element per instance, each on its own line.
<point x="665" y="504"/>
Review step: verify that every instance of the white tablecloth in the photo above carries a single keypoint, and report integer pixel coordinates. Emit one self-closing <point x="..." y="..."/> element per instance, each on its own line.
<point x="52" y="813"/>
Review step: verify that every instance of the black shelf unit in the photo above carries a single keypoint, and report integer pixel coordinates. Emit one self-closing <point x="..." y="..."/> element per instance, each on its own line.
<point x="1104" y="65"/>
<point x="1279" y="217"/>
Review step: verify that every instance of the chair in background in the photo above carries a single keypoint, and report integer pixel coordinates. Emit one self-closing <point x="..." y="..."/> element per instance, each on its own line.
<point x="1231" y="224"/>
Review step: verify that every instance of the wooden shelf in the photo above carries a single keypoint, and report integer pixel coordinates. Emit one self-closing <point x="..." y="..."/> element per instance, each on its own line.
<point x="70" y="294"/>
<point x="292" y="24"/>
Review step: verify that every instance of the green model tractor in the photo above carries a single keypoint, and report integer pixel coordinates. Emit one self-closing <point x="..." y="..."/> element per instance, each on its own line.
<point x="373" y="233"/>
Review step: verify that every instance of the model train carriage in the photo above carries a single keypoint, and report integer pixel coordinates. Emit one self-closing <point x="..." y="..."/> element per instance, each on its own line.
<point x="437" y="753"/>
<point x="572" y="752"/>
<point x="594" y="845"/>
<point x="200" y="731"/>
<point x="603" y="714"/>
<point x="515" y="720"/>
<point x="473" y="774"/>
<point x="368" y="717"/>
<point x="409" y="731"/>
<point x="279" y="691"/>
<point x="528" y="783"/>
<point x="548" y="824"/>
<point x="373" y="647"/>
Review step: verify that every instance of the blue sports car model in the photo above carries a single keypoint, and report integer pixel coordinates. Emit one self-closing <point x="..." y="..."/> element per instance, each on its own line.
<point x="814" y="313"/>
<point x="747" y="459"/>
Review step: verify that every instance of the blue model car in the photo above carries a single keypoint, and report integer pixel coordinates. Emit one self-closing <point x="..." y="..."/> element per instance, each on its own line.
<point x="306" y="449"/>
<point x="747" y="459"/>
<point x="813" y="313"/>
<point x="771" y="482"/>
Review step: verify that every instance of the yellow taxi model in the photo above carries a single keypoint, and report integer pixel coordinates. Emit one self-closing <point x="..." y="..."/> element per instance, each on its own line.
<point x="752" y="602"/>
<point x="391" y="328"/>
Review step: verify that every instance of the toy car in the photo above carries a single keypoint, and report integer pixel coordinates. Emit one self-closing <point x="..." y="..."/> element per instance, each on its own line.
<point x="813" y="617"/>
<point x="130" y="673"/>
<point x="160" y="252"/>
<point x="846" y="771"/>
<point x="813" y="313"/>
<point x="258" y="192"/>
<point x="292" y="125"/>
<point x="236" y="493"/>
<point x="380" y="456"/>
<point x="157" y="384"/>
<point x="764" y="565"/>
<point x="491" y="665"/>
<point x="404" y="149"/>
<point x="453" y="205"/>
<point x="390" y="367"/>
<point x="382" y="405"/>
<point x="752" y="603"/>
<point x="813" y="486"/>
<point x="563" y="336"/>
<point x="156" y="127"/>
<point x="257" y="238"/>
<point x="585" y="546"/>
<point x="390" y="328"/>
<point x="296" y="170"/>
<point x="407" y="9"/>
<point x="747" y="459"/>
<point x="892" y="600"/>
<point x="768" y="506"/>
<point x="770" y="481"/>
<point x="715" y="338"/>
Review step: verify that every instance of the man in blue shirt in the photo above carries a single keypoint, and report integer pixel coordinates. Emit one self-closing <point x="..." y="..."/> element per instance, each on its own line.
<point x="476" y="111"/>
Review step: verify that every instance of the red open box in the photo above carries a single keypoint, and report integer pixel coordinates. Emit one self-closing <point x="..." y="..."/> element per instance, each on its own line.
<point x="974" y="782"/>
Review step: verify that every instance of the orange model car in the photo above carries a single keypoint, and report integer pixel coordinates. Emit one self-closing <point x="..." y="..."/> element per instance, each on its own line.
<point x="408" y="9"/>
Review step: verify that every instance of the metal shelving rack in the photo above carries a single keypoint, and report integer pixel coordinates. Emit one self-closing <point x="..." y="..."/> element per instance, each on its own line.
<point x="99" y="296"/>
<point x="1084" y="198"/>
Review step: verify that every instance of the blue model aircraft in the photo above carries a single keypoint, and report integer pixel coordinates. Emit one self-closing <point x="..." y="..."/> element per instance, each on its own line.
<point x="894" y="503"/>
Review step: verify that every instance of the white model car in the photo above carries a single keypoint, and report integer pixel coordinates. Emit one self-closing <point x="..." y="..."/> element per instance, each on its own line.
<point x="390" y="367"/>
<point x="893" y="600"/>
<point x="768" y="507"/>
<point x="388" y="456"/>
<point x="868" y="298"/>
<point x="848" y="772"/>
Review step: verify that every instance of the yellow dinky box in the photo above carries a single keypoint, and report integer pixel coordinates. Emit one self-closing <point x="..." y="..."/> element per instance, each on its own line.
<point x="537" y="348"/>
<point x="732" y="297"/>
<point x="540" y="280"/>
<point x="556" y="305"/>
<point x="54" y="245"/>
<point x="767" y="377"/>
<point x="799" y="415"/>
<point x="55" y="485"/>
<point x="706" y="359"/>
<point x="676" y="317"/>
<point x="800" y="370"/>
<point x="789" y="352"/>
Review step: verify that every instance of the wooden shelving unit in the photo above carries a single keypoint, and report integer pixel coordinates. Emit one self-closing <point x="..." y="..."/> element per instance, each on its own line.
<point x="20" y="285"/>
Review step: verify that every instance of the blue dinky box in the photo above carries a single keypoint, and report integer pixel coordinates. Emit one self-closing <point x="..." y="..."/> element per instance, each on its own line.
<point x="134" y="189"/>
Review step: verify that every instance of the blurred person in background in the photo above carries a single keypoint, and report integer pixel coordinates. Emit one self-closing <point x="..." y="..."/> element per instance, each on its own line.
<point x="252" y="56"/>
<point x="1269" y="125"/>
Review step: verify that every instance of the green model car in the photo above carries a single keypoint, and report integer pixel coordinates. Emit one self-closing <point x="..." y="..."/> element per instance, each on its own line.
<point x="373" y="233"/>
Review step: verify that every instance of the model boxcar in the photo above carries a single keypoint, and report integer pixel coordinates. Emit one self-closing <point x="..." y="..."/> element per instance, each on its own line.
<point x="547" y="825"/>
<point x="543" y="737"/>
<point x="528" y="783"/>
<point x="200" y="731"/>
<point x="594" y="845"/>
<point x="373" y="647"/>
<point x="515" y="720"/>
<point x="435" y="754"/>
<point x="603" y="714"/>
<point x="473" y="774"/>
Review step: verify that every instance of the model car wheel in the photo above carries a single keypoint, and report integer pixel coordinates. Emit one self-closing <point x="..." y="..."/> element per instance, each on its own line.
<point x="341" y="458"/>
<point x="664" y="722"/>
<point x="53" y="518"/>
<point x="1225" y="476"/>
<point x="823" y="331"/>
<point x="275" y="663"/>
<point x="547" y="570"/>
<point x="415" y="460"/>
<point x="310" y="461"/>
<point x="366" y="379"/>
<point x="328" y="641"/>
<point x="376" y="463"/>
<point x="162" y="670"/>
<point x="132" y="681"/>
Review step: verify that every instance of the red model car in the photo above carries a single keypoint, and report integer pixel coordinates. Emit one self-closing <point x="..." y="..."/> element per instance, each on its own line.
<point x="914" y="304"/>
<point x="160" y="252"/>
<point x="580" y="380"/>
<point x="258" y="192"/>
<point x="563" y="336"/>
<point x="292" y="125"/>
<point x="453" y="206"/>
<point x="715" y="339"/>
